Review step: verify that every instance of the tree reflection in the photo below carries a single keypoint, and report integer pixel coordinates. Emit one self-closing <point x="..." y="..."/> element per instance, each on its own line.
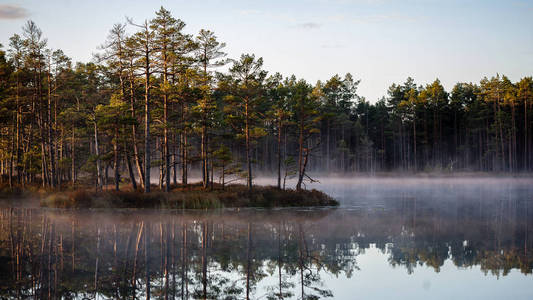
<point x="247" y="254"/>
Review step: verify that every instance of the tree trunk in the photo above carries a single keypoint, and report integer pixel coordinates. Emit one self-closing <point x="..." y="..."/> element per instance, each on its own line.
<point x="130" y="168"/>
<point x="97" y="152"/>
<point x="184" y="158"/>
<point x="279" y="151"/>
<point x="302" y="173"/>
<point x="183" y="145"/>
<point x="50" y="134"/>
<point x="18" y="131"/>
<point x="247" y="134"/>
<point x="301" y="164"/>
<point x="147" y="148"/>
<point x="203" y="150"/>
<point x="116" y="160"/>
<point x="73" y="155"/>
<point x="134" y="132"/>
<point x="174" y="162"/>
<point x="11" y="158"/>
<point x="166" y="149"/>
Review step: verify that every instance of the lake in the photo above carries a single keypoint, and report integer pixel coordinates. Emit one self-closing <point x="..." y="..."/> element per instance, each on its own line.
<point x="391" y="238"/>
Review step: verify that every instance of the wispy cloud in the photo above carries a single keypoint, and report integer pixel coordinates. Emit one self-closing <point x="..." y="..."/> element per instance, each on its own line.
<point x="308" y="25"/>
<point x="290" y="20"/>
<point x="367" y="19"/>
<point x="381" y="18"/>
<point x="8" y="11"/>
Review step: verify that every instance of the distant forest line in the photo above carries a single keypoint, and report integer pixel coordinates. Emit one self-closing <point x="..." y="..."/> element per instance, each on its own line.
<point x="154" y="99"/>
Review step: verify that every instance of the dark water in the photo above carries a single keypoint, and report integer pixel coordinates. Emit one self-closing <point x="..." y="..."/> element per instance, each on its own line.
<point x="390" y="239"/>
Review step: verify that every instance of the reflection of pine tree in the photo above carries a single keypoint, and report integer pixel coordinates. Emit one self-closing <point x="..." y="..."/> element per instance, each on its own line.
<point x="196" y="255"/>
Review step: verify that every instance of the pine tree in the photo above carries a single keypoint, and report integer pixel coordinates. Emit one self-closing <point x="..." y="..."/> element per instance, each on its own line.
<point x="247" y="94"/>
<point x="209" y="54"/>
<point x="143" y="46"/>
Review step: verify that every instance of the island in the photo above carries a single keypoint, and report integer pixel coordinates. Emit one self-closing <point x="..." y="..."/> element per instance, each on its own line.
<point x="192" y="196"/>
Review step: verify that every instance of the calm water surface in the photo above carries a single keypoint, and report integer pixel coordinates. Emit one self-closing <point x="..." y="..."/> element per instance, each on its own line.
<point x="389" y="239"/>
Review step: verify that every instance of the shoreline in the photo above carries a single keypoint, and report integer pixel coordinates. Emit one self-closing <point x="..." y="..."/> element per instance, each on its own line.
<point x="191" y="197"/>
<point x="407" y="174"/>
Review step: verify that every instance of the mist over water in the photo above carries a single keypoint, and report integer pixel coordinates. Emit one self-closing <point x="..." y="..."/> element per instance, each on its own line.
<point x="375" y="191"/>
<point x="416" y="238"/>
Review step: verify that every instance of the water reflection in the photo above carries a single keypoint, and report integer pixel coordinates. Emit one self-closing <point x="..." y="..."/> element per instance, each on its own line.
<point x="251" y="254"/>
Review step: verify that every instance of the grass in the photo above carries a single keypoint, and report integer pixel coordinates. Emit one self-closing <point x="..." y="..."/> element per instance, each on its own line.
<point x="190" y="197"/>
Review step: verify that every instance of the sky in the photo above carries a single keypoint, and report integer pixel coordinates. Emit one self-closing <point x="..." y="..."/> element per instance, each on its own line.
<point x="379" y="42"/>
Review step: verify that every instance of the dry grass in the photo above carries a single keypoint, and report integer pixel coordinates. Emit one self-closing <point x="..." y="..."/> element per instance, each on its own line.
<point x="190" y="197"/>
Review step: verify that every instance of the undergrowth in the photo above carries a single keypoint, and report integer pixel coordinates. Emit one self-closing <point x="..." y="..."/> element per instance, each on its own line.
<point x="191" y="197"/>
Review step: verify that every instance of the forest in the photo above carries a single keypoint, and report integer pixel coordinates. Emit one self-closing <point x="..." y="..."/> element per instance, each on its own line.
<point x="157" y="104"/>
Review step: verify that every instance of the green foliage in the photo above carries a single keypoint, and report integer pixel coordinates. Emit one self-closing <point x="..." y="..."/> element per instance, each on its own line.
<point x="50" y="106"/>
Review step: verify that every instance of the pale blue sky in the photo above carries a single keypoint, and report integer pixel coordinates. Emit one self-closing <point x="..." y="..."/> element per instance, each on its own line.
<point x="378" y="41"/>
